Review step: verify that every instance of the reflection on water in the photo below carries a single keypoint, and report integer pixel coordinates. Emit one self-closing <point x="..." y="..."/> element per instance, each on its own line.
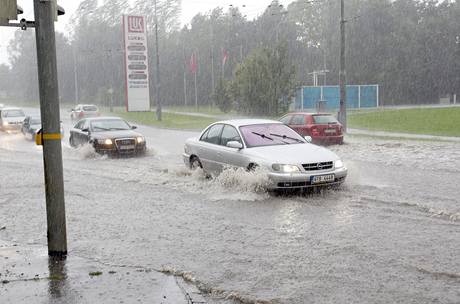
<point x="57" y="277"/>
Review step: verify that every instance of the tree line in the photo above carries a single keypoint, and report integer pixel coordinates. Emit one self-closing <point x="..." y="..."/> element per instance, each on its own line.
<point x="411" y="48"/>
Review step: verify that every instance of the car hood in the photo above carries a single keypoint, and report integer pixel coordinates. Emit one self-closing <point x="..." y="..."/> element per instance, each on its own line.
<point x="114" y="134"/>
<point x="14" y="119"/>
<point x="293" y="154"/>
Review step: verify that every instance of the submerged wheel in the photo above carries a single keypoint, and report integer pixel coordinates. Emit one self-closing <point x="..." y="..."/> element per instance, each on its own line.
<point x="195" y="163"/>
<point x="252" y="167"/>
<point x="72" y="142"/>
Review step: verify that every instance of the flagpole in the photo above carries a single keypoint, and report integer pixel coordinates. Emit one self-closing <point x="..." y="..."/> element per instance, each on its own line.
<point x="196" y="94"/>
<point x="185" y="78"/>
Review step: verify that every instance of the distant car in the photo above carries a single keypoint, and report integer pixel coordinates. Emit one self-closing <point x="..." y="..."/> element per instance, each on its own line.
<point x="11" y="119"/>
<point x="322" y="127"/>
<point x="108" y="135"/>
<point x="290" y="160"/>
<point x="83" y="111"/>
<point x="32" y="124"/>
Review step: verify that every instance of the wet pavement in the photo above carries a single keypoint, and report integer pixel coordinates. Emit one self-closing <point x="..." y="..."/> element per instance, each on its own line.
<point x="389" y="235"/>
<point x="27" y="275"/>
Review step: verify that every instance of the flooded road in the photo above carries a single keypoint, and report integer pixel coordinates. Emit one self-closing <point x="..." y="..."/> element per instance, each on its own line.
<point x="390" y="234"/>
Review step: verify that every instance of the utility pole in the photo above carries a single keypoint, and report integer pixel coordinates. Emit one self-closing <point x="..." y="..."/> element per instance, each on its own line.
<point x="75" y="75"/>
<point x="157" y="79"/>
<point x="49" y="109"/>
<point x="185" y="77"/>
<point x="342" y="75"/>
<point x="213" y="85"/>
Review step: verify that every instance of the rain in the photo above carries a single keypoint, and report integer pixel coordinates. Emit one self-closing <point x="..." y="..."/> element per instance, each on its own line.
<point x="146" y="226"/>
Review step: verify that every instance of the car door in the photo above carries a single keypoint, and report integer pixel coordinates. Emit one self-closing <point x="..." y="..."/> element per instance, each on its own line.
<point x="298" y="124"/>
<point x="208" y="149"/>
<point x="231" y="156"/>
<point x="77" y="134"/>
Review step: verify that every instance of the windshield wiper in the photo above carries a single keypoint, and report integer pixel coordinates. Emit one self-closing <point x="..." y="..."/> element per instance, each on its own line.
<point x="100" y="128"/>
<point x="262" y="135"/>
<point x="288" y="137"/>
<point x="118" y="129"/>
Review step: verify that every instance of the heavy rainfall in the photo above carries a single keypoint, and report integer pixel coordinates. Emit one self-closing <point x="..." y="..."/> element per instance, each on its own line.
<point x="331" y="175"/>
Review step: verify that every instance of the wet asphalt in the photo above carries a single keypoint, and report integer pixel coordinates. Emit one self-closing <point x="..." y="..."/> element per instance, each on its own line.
<point x="389" y="235"/>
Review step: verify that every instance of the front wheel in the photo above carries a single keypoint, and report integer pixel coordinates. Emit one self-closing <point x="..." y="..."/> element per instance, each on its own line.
<point x="72" y="141"/>
<point x="195" y="163"/>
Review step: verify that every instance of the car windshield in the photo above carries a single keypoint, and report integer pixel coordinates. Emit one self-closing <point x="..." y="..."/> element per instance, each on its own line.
<point x="90" y="108"/>
<point x="12" y="113"/>
<point x="324" y="119"/>
<point x="269" y="135"/>
<point x="109" y="124"/>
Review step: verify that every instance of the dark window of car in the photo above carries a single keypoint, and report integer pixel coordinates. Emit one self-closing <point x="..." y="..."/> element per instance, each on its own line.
<point x="286" y="119"/>
<point x="229" y="134"/>
<point x="79" y="125"/>
<point x="205" y="134"/>
<point x="90" y="108"/>
<point x="213" y="135"/>
<point x="12" y="113"/>
<point x="298" y="120"/>
<point x="324" y="119"/>
<point x="109" y="124"/>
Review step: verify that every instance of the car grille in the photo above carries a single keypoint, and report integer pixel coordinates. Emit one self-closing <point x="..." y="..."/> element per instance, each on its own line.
<point x="125" y="145"/>
<point x="318" y="166"/>
<point x="125" y="141"/>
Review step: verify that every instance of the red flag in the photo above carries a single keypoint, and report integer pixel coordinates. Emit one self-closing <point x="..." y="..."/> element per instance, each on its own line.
<point x="224" y="57"/>
<point x="193" y="63"/>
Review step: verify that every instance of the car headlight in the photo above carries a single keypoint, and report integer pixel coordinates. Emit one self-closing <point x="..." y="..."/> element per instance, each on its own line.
<point x="338" y="163"/>
<point x="106" y="142"/>
<point x="5" y="123"/>
<point x="140" y="139"/>
<point x="285" y="168"/>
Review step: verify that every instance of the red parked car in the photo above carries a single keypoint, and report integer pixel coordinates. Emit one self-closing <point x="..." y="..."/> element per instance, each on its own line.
<point x="322" y="127"/>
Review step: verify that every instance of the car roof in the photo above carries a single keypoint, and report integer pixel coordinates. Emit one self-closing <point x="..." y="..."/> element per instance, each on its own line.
<point x="306" y="113"/>
<point x="247" y="121"/>
<point x="103" y="118"/>
<point x="11" y="108"/>
<point x="86" y="105"/>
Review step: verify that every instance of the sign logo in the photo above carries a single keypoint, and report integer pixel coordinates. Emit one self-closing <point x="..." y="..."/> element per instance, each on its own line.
<point x="135" y="24"/>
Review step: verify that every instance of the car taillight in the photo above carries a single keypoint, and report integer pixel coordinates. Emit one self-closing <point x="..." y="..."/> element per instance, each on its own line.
<point x="339" y="129"/>
<point x="314" y="131"/>
<point x="80" y="114"/>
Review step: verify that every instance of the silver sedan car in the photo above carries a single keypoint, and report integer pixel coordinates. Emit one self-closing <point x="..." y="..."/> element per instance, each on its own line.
<point x="290" y="160"/>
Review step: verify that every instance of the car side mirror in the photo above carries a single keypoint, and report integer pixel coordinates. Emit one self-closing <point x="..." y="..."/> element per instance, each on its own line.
<point x="234" y="144"/>
<point x="133" y="127"/>
<point x="308" y="139"/>
<point x="86" y="130"/>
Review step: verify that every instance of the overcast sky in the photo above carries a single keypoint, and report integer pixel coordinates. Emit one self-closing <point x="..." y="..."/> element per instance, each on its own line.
<point x="190" y="8"/>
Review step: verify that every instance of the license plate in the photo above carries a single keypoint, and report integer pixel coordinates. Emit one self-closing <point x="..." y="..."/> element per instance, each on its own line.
<point x="128" y="147"/>
<point x="322" y="179"/>
<point x="329" y="131"/>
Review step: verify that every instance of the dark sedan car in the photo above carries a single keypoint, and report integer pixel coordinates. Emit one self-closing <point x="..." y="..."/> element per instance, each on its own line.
<point x="108" y="135"/>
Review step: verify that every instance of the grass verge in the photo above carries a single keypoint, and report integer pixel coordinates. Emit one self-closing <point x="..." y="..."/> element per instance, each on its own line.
<point x="169" y="120"/>
<point x="428" y="121"/>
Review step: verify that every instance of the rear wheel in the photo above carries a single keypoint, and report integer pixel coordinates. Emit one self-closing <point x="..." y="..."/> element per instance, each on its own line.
<point x="72" y="141"/>
<point x="195" y="163"/>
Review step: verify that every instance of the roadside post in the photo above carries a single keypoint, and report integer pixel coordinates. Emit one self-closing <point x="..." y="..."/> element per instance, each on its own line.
<point x="45" y="15"/>
<point x="46" y="12"/>
<point x="342" y="74"/>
